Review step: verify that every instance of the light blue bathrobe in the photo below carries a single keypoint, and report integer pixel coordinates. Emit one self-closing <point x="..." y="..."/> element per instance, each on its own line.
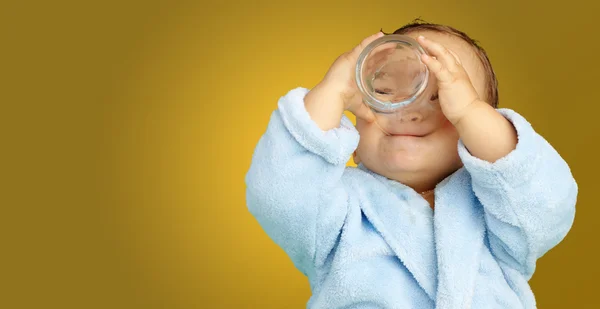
<point x="365" y="241"/>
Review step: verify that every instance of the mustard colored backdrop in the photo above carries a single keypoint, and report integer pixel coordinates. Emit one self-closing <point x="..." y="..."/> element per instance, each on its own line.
<point x="128" y="128"/>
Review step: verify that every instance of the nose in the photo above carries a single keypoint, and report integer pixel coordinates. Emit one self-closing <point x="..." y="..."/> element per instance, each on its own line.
<point x="411" y="117"/>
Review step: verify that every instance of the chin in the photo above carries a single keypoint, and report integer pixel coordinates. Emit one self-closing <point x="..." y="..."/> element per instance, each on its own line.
<point x="403" y="162"/>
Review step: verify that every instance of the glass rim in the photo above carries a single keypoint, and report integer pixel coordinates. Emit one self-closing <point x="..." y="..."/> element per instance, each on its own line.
<point x="373" y="102"/>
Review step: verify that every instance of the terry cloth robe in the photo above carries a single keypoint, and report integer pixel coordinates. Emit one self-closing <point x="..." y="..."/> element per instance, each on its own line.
<point x="365" y="241"/>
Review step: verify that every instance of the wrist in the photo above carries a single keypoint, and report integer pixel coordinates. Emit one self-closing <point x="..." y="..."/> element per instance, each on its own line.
<point x="470" y="111"/>
<point x="325" y="106"/>
<point x="324" y="95"/>
<point x="486" y="133"/>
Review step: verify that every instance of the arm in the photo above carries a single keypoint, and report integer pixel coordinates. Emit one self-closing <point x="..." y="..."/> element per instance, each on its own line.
<point x="528" y="195"/>
<point x="527" y="190"/>
<point x="293" y="184"/>
<point x="487" y="134"/>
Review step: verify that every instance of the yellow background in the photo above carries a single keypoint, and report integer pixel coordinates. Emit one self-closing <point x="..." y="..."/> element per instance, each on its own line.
<point x="127" y="129"/>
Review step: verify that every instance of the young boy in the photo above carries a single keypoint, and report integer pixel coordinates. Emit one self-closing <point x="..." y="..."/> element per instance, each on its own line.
<point x="369" y="237"/>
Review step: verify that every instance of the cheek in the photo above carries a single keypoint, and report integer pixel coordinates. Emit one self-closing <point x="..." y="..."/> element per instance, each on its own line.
<point x="447" y="136"/>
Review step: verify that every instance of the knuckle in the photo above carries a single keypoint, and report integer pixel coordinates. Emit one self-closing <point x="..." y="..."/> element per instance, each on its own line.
<point x="446" y="78"/>
<point x="441" y="67"/>
<point x="346" y="57"/>
<point x="366" y="40"/>
<point x="451" y="79"/>
<point x="342" y="56"/>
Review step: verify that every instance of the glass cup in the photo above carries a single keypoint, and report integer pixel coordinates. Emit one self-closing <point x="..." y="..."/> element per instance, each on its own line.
<point x="395" y="83"/>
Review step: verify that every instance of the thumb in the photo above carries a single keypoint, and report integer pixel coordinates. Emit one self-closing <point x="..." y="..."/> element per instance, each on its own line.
<point x="362" y="111"/>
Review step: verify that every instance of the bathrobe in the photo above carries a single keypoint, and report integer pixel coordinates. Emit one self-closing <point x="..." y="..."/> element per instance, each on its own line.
<point x="365" y="241"/>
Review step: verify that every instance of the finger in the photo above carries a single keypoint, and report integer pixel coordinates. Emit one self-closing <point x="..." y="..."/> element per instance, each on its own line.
<point x="379" y="54"/>
<point x="362" y="111"/>
<point x="438" y="69"/>
<point x="376" y="64"/>
<point x="445" y="56"/>
<point x="456" y="58"/>
<point x="385" y="48"/>
<point x="356" y="50"/>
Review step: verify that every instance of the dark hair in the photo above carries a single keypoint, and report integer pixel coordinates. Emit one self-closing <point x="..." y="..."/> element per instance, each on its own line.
<point x="492" y="83"/>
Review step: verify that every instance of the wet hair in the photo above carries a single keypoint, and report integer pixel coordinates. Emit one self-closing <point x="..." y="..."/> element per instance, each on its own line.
<point x="491" y="81"/>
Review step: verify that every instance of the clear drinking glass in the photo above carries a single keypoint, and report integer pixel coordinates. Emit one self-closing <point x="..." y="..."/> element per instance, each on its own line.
<point x="394" y="82"/>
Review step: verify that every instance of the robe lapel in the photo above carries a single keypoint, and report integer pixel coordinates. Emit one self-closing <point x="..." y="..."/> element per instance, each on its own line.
<point x="459" y="231"/>
<point x="406" y="228"/>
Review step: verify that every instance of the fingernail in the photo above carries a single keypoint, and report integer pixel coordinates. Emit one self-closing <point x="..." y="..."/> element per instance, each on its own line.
<point x="421" y="37"/>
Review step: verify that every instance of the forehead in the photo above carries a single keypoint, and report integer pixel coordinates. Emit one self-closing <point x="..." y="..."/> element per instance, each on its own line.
<point x="464" y="51"/>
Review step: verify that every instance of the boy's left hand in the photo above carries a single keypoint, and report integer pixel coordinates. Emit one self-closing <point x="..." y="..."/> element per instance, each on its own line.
<point x="474" y="119"/>
<point x="455" y="90"/>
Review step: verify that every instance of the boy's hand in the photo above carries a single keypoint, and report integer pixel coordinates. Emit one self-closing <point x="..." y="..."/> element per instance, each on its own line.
<point x="338" y="91"/>
<point x="455" y="90"/>
<point x="474" y="119"/>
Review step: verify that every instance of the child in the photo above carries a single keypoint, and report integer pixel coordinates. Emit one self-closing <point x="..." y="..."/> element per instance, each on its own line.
<point x="454" y="217"/>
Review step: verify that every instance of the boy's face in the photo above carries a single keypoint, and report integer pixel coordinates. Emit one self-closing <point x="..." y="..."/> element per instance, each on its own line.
<point x="427" y="159"/>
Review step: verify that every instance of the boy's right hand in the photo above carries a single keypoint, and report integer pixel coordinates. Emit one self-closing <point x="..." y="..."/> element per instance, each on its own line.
<point x="338" y="91"/>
